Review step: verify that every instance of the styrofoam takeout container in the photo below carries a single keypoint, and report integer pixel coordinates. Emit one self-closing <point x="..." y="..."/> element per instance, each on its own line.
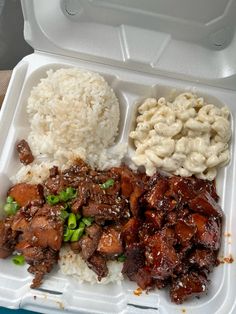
<point x="142" y="48"/>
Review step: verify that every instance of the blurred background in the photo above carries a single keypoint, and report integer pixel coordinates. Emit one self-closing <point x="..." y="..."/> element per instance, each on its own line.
<point x="13" y="47"/>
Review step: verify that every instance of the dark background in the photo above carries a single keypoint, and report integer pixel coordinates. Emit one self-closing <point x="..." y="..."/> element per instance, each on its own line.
<point x="13" y="47"/>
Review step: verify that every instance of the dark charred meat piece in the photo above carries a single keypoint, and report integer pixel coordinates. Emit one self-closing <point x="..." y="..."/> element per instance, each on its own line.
<point x="24" y="152"/>
<point x="98" y="264"/>
<point x="24" y="193"/>
<point x="41" y="262"/>
<point x="110" y="242"/>
<point x="161" y="257"/>
<point x="134" y="200"/>
<point x="135" y="260"/>
<point x="143" y="278"/>
<point x="203" y="258"/>
<point x="8" y="238"/>
<point x="154" y="198"/>
<point x="208" y="231"/>
<point x="187" y="285"/>
<point x="204" y="204"/>
<point x="205" y="185"/>
<point x="89" y="242"/>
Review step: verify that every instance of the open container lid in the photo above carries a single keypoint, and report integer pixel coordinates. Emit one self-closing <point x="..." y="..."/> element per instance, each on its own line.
<point x="185" y="39"/>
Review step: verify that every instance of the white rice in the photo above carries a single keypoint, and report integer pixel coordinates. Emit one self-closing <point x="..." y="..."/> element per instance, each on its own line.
<point x="72" y="264"/>
<point x="73" y="113"/>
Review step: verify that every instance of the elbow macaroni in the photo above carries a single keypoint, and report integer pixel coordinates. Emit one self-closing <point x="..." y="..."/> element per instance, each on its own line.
<point x="185" y="137"/>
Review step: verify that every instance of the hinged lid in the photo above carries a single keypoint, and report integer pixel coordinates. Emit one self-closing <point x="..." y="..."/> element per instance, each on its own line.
<point x="189" y="39"/>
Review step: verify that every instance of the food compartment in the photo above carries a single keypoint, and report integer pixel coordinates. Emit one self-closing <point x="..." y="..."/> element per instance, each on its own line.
<point x="20" y="126"/>
<point x="131" y="90"/>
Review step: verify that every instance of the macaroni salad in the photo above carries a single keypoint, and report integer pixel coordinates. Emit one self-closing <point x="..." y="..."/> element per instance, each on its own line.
<point x="184" y="137"/>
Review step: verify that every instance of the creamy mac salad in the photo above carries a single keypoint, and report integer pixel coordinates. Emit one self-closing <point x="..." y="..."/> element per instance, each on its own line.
<point x="186" y="136"/>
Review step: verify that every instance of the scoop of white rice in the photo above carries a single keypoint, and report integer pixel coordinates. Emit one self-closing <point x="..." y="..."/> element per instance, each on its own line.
<point x="73" y="113"/>
<point x="73" y="264"/>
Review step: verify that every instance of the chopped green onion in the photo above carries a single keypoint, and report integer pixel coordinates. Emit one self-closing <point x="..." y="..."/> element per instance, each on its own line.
<point x="52" y="199"/>
<point x="10" y="199"/>
<point x="67" y="234"/>
<point x="121" y="258"/>
<point x="109" y="183"/>
<point x="63" y="196"/>
<point x="64" y="214"/>
<point x="77" y="234"/>
<point x="72" y="221"/>
<point x="11" y="208"/>
<point x="82" y="225"/>
<point x="18" y="260"/>
<point x="71" y="192"/>
<point x="87" y="221"/>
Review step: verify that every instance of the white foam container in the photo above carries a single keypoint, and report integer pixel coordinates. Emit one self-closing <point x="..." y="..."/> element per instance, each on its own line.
<point x="143" y="49"/>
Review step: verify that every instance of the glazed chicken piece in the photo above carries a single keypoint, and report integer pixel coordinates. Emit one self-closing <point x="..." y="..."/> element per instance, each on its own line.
<point x="40" y="230"/>
<point x="161" y="257"/>
<point x="45" y="228"/>
<point x="187" y="285"/>
<point x="110" y="243"/>
<point x="184" y="231"/>
<point x="208" y="231"/>
<point x="204" y="204"/>
<point x="25" y="154"/>
<point x="24" y="193"/>
<point x="154" y="198"/>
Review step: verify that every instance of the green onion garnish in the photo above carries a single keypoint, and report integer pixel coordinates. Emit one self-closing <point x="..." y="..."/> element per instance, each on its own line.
<point x="87" y="221"/>
<point x="109" y="183"/>
<point x="82" y="225"/>
<point x="18" y="260"/>
<point x="72" y="221"/>
<point x="77" y="234"/>
<point x="63" y="196"/>
<point x="71" y="193"/>
<point x="64" y="214"/>
<point x="11" y="206"/>
<point x="52" y="199"/>
<point x="67" y="234"/>
<point x="121" y="258"/>
<point x="10" y="199"/>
